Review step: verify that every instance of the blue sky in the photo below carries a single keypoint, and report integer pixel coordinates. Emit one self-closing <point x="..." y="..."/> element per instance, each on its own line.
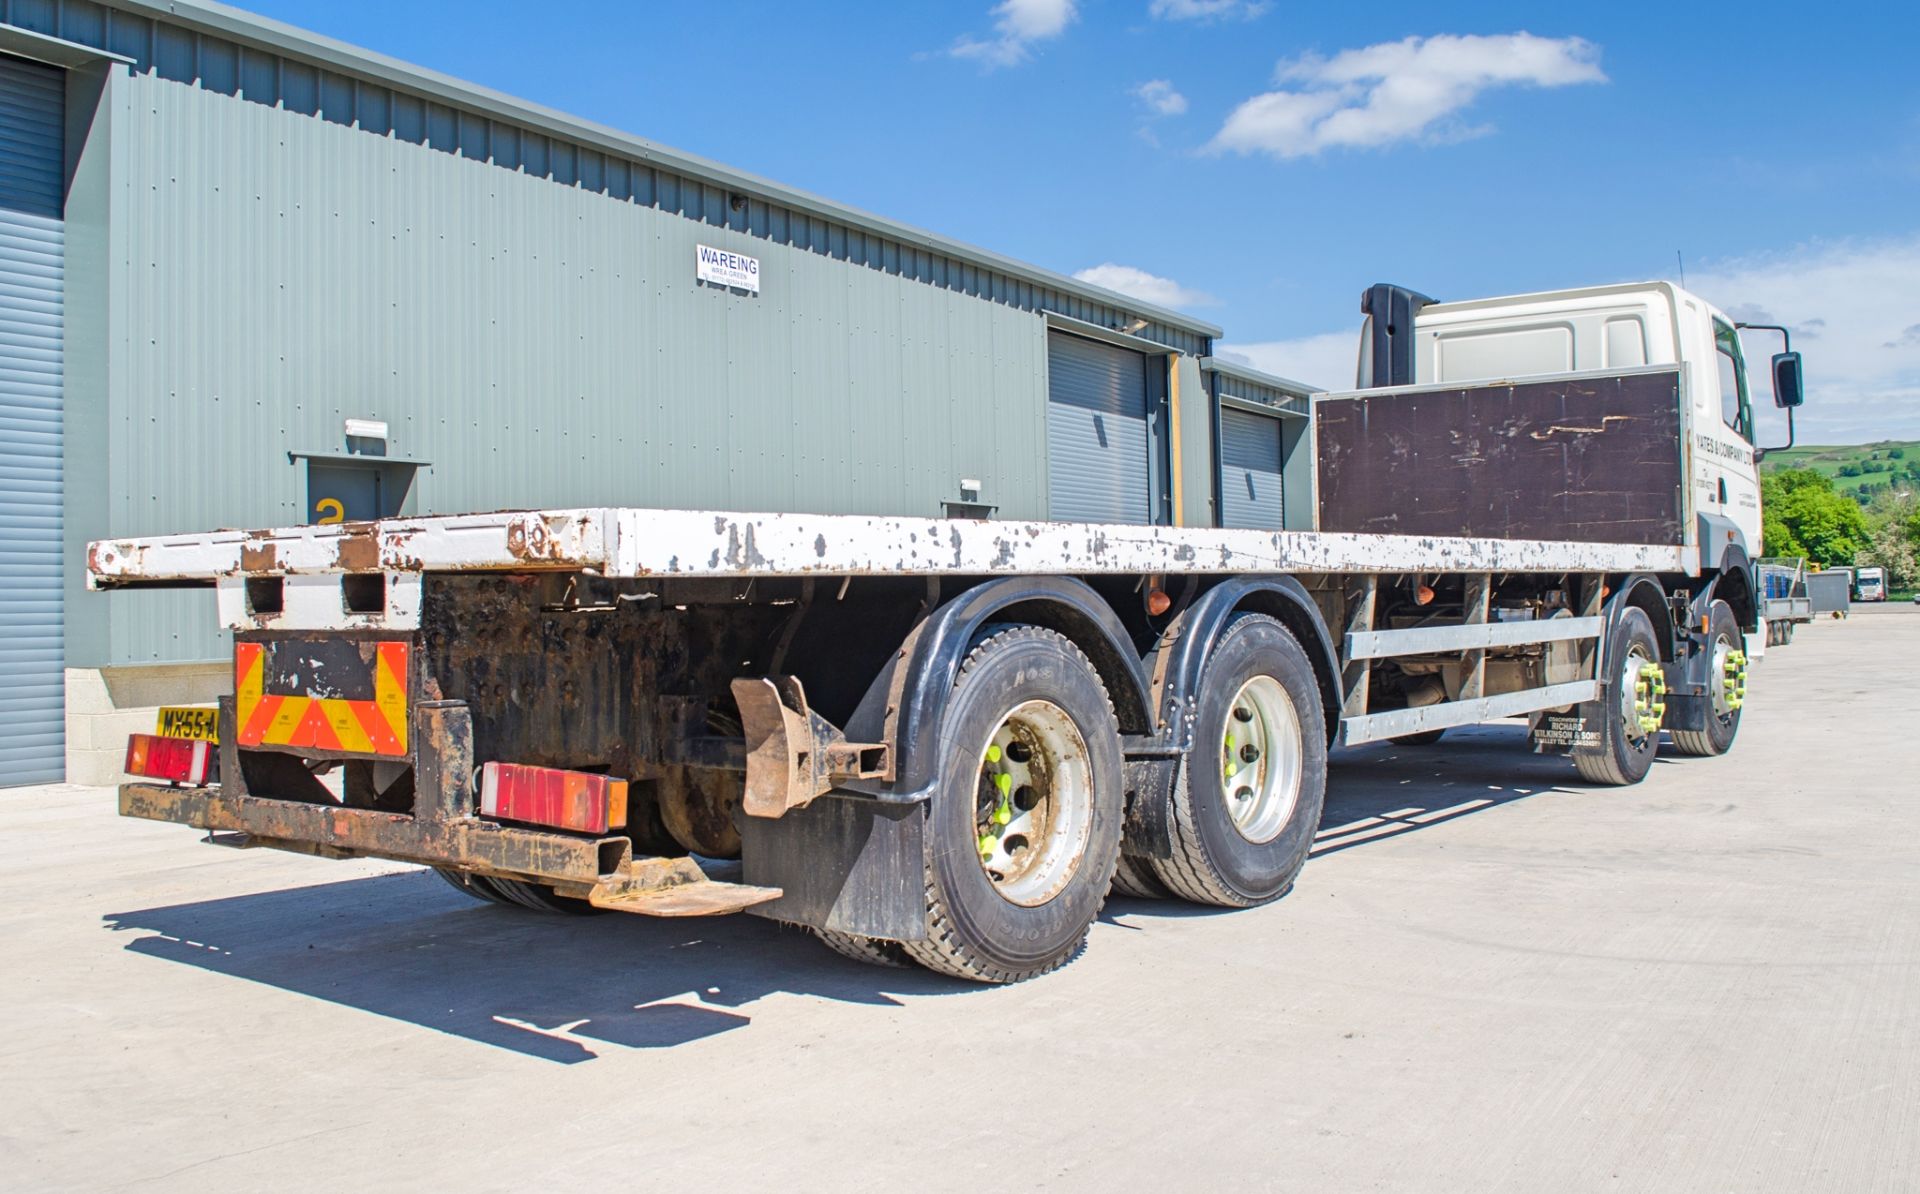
<point x="1258" y="164"/>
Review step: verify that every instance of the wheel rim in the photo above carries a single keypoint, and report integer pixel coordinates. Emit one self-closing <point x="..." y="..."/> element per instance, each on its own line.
<point x="1034" y="803"/>
<point x="1730" y="678"/>
<point x="1643" y="694"/>
<point x="1262" y="759"/>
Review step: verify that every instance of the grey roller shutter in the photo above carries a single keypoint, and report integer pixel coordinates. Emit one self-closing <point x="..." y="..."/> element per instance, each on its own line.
<point x="1099" y="443"/>
<point x="32" y="738"/>
<point x="1250" y="471"/>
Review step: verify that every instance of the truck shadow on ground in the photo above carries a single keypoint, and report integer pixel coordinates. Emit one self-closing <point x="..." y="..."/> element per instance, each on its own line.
<point x="1385" y="790"/>
<point x="408" y="947"/>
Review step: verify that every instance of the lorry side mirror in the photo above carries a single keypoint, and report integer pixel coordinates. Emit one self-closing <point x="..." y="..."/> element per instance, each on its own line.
<point x="1789" y="385"/>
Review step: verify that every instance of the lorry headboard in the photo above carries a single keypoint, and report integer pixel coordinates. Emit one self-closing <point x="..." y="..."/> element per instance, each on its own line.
<point x="1589" y="457"/>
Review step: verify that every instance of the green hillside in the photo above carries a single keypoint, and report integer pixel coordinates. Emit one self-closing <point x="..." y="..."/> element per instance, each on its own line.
<point x="1855" y="469"/>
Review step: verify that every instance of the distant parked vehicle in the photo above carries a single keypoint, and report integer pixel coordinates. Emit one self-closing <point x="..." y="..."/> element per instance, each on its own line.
<point x="1870" y="584"/>
<point x="1830" y="592"/>
<point x="1784" y="599"/>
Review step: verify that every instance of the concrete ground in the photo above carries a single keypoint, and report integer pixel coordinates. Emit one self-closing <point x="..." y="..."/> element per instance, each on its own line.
<point x="1490" y="978"/>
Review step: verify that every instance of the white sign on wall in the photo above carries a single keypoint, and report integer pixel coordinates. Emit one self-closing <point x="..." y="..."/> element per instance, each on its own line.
<point x="727" y="269"/>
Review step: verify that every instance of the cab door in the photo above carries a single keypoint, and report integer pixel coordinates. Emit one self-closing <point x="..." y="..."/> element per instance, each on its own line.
<point x="1723" y="440"/>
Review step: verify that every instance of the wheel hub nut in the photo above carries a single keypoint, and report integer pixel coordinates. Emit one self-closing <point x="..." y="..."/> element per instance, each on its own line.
<point x="1733" y="679"/>
<point x="1650" y="698"/>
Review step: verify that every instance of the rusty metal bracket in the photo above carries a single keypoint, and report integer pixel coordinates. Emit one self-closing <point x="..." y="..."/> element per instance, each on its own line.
<point x="794" y="754"/>
<point x="672" y="887"/>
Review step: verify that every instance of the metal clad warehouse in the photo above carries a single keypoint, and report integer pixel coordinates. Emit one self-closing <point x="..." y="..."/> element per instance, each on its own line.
<point x="303" y="282"/>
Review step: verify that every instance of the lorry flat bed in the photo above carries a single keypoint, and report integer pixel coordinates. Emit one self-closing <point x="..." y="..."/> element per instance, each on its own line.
<point x="630" y="542"/>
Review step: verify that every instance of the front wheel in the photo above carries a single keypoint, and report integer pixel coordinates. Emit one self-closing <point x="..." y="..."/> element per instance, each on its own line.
<point x="1247" y="803"/>
<point x="1630" y="707"/>
<point x="1726" y="686"/>
<point x="1023" y="832"/>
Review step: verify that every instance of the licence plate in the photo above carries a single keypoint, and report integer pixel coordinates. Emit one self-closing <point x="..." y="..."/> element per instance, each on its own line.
<point x="176" y="721"/>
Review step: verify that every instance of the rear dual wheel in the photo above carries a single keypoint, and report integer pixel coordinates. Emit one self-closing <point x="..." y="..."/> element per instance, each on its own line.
<point x="1135" y="877"/>
<point x="874" y="951"/>
<point x="1248" y="800"/>
<point x="1023" y="833"/>
<point x="515" y="893"/>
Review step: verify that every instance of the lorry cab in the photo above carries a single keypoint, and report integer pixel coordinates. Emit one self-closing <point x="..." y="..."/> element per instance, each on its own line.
<point x="1612" y="328"/>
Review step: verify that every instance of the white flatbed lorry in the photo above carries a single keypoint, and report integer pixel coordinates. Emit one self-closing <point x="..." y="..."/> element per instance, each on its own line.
<point x="945" y="740"/>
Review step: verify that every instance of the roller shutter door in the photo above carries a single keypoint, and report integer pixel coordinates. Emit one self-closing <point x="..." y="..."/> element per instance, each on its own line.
<point x="32" y="738"/>
<point x="1250" y="471"/>
<point x="1099" y="442"/>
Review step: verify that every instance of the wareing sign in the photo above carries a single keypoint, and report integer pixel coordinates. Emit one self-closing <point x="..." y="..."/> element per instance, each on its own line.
<point x="727" y="269"/>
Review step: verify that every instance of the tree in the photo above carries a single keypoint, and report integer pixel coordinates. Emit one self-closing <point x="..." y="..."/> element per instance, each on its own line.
<point x="1896" y="454"/>
<point x="1894" y="542"/>
<point x="1893" y="549"/>
<point x="1802" y="515"/>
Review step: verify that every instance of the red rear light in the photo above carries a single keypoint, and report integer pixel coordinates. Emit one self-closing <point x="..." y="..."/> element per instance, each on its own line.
<point x="577" y="800"/>
<point x="181" y="760"/>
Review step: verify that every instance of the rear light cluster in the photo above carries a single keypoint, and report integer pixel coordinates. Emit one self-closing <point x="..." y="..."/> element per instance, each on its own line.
<point x="180" y="760"/>
<point x="576" y="800"/>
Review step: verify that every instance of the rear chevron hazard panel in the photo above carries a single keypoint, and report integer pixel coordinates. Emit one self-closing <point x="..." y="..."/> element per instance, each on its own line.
<point x="338" y="696"/>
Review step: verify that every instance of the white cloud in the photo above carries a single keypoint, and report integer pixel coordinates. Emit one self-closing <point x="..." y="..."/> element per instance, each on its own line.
<point x="1326" y="362"/>
<point x="1017" y="24"/>
<point x="1207" y="10"/>
<point x="1398" y="91"/>
<point x="1148" y="288"/>
<point x="1854" y="308"/>
<point x="1160" y="97"/>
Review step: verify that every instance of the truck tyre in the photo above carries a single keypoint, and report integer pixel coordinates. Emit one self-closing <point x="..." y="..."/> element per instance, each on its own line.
<point x="874" y="951"/>
<point x="476" y="887"/>
<point x="541" y="898"/>
<point x="1630" y="706"/>
<point x="1135" y="878"/>
<point x="1726" y="686"/>
<point x="1247" y="802"/>
<point x="515" y="893"/>
<point x="1023" y="831"/>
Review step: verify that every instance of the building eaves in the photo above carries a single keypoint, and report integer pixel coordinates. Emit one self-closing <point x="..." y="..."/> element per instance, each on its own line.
<point x="1248" y="373"/>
